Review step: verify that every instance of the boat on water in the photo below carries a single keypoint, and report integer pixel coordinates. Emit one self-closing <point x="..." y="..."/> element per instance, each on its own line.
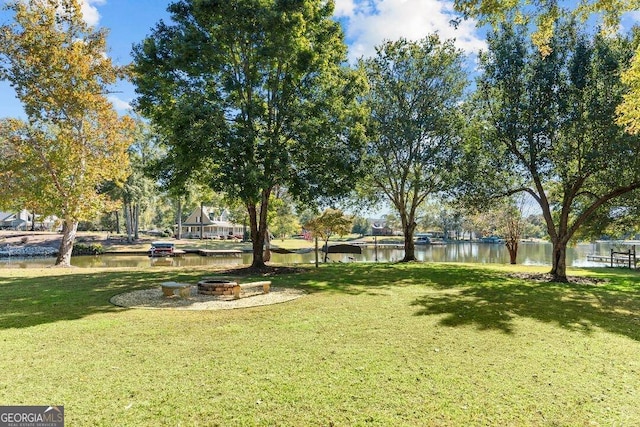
<point x="164" y="249"/>
<point x="435" y="241"/>
<point x="422" y="239"/>
<point x="491" y="239"/>
<point x="428" y="239"/>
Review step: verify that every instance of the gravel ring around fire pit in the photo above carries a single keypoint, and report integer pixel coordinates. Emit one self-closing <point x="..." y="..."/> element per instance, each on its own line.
<point x="155" y="299"/>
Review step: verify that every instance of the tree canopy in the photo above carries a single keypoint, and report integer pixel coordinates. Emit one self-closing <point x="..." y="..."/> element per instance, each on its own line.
<point x="546" y="14"/>
<point x="329" y="223"/>
<point x="414" y="128"/>
<point x="629" y="109"/>
<point x="547" y="127"/>
<point x="74" y="140"/>
<point x="252" y="95"/>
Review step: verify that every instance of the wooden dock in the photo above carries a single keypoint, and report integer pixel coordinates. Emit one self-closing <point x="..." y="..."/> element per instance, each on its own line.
<point x="617" y="261"/>
<point x="220" y="252"/>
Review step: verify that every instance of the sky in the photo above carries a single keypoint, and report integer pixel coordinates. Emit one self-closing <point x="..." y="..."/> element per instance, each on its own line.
<point x="366" y="24"/>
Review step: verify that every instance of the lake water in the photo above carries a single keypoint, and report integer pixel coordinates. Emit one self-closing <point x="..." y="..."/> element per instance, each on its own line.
<point x="529" y="253"/>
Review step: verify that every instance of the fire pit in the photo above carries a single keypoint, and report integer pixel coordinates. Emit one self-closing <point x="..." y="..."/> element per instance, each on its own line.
<point x="218" y="287"/>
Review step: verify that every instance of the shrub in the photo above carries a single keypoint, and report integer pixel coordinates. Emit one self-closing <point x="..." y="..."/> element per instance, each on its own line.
<point x="87" y="249"/>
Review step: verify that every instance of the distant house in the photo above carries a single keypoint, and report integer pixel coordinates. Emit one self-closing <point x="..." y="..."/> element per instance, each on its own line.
<point x="15" y="221"/>
<point x="380" y="229"/>
<point x="213" y="226"/>
<point x="22" y="221"/>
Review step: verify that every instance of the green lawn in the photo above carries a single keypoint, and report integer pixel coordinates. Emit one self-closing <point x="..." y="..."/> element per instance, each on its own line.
<point x="371" y="344"/>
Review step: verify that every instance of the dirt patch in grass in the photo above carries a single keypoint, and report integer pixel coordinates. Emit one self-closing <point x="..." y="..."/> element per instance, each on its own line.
<point x="548" y="278"/>
<point x="154" y="299"/>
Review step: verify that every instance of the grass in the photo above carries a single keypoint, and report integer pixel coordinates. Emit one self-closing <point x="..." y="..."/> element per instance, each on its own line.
<point x="371" y="344"/>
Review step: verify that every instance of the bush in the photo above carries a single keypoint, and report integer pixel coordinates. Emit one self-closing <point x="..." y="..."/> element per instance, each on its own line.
<point x="87" y="249"/>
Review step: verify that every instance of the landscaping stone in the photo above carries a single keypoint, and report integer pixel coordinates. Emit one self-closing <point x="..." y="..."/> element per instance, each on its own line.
<point x="27" y="251"/>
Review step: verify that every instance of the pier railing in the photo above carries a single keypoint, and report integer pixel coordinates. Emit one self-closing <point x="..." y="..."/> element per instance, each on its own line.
<point x="617" y="258"/>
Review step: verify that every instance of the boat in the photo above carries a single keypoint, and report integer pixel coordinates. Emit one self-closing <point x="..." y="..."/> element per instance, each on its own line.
<point x="422" y="239"/>
<point x="164" y="249"/>
<point x="428" y="239"/>
<point x="491" y="239"/>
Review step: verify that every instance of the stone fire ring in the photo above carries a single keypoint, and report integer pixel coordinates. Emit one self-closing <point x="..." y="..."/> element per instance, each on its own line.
<point x="216" y="287"/>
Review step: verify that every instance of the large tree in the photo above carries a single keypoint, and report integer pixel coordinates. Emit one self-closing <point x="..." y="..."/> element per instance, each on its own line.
<point x="252" y="95"/>
<point x="414" y="127"/>
<point x="548" y="128"/>
<point x="74" y="140"/>
<point x="139" y="192"/>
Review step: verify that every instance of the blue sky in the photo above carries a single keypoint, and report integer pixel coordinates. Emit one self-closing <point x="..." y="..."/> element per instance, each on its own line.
<point x="366" y="23"/>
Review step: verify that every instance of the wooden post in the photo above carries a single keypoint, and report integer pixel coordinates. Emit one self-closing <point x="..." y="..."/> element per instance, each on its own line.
<point x="612" y="258"/>
<point x="201" y="220"/>
<point x="375" y="246"/>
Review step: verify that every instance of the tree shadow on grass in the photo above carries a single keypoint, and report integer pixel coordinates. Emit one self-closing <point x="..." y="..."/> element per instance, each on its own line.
<point x="494" y="304"/>
<point x="30" y="301"/>
<point x="371" y="278"/>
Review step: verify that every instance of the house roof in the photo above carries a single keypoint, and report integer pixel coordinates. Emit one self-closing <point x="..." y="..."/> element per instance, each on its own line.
<point x="7" y="216"/>
<point x="197" y="213"/>
<point x="207" y="221"/>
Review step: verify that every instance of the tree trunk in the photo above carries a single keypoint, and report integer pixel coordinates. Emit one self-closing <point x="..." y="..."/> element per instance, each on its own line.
<point x="69" y="229"/>
<point x="117" y="222"/>
<point x="136" y="222"/>
<point x="512" y="247"/>
<point x="326" y="250"/>
<point x="179" y="219"/>
<point x="559" y="257"/>
<point x="409" y="244"/>
<point x="128" y="221"/>
<point x="316" y="246"/>
<point x="267" y="247"/>
<point x="33" y="221"/>
<point x="257" y="239"/>
<point x="258" y="225"/>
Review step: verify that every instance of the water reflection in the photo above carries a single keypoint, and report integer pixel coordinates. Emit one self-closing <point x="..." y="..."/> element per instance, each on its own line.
<point x="529" y="253"/>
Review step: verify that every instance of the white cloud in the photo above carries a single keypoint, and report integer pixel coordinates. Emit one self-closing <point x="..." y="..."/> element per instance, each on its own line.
<point x="368" y="23"/>
<point x="119" y="104"/>
<point x="344" y="8"/>
<point x="90" y="12"/>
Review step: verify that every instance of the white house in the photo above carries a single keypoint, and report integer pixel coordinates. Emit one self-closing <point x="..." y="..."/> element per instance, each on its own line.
<point x="24" y="219"/>
<point x="16" y="221"/>
<point x="213" y="227"/>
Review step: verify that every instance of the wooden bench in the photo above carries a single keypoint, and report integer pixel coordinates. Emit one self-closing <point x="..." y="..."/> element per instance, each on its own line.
<point x="266" y="286"/>
<point x="169" y="288"/>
